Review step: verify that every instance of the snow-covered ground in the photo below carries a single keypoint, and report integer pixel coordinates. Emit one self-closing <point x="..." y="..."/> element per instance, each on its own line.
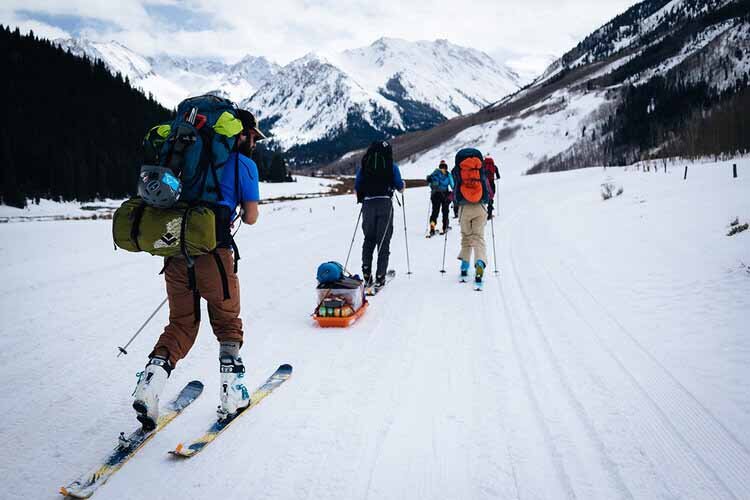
<point x="608" y="359"/>
<point x="51" y="210"/>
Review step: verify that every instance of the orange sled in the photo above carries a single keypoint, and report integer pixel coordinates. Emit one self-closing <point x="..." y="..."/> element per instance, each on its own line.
<point x="340" y="322"/>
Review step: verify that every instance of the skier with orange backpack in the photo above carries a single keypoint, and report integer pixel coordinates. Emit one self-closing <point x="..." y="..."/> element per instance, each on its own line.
<point x="472" y="193"/>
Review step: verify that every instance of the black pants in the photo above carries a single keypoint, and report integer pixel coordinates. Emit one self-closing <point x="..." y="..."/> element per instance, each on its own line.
<point x="377" y="224"/>
<point x="491" y="203"/>
<point x="439" y="201"/>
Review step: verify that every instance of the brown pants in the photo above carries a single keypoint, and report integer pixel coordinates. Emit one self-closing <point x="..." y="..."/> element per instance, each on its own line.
<point x="473" y="217"/>
<point x="224" y="313"/>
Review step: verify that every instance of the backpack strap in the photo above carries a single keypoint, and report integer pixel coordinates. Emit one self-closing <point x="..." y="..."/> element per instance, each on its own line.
<point x="237" y="178"/>
<point x="197" y="306"/>
<point x="206" y="162"/>
<point x="235" y="248"/>
<point x="135" y="228"/>
<point x="236" y="251"/>
<point x="164" y="267"/>
<point x="223" y="274"/>
<point x="183" y="247"/>
<point x="196" y="294"/>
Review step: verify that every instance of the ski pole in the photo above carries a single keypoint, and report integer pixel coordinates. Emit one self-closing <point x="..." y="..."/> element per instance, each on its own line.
<point x="492" y="224"/>
<point x="406" y="234"/>
<point x="445" y="245"/>
<point x="356" y="225"/>
<point x="123" y="349"/>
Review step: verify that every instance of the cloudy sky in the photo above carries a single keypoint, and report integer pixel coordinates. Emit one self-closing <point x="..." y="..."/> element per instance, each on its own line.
<point x="525" y="33"/>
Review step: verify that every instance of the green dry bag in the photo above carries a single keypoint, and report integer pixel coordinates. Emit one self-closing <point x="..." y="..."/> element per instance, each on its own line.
<point x="167" y="232"/>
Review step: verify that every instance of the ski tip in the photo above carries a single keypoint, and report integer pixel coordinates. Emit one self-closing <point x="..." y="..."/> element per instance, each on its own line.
<point x="285" y="368"/>
<point x="63" y="491"/>
<point x="181" y="452"/>
<point x="196" y="383"/>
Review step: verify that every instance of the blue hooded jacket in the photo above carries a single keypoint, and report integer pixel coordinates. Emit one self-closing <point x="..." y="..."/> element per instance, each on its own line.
<point x="440" y="182"/>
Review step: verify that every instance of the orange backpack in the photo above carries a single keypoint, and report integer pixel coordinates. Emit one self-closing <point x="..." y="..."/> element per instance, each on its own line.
<point x="472" y="179"/>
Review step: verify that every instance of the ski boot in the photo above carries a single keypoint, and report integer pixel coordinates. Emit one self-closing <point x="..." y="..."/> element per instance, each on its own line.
<point x="432" y="230"/>
<point x="234" y="395"/>
<point x="151" y="382"/>
<point x="367" y="277"/>
<point x="379" y="282"/>
<point x="464" y="276"/>
<point x="478" y="275"/>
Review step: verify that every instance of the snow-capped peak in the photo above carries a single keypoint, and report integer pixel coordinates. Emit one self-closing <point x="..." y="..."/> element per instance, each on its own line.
<point x="117" y="57"/>
<point x="451" y="79"/>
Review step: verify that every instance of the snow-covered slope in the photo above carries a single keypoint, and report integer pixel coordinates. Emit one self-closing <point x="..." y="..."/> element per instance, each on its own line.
<point x="641" y="25"/>
<point x="608" y="359"/>
<point x="521" y="140"/>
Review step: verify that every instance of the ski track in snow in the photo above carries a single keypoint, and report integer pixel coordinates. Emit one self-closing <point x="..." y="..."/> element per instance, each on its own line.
<point x="559" y="380"/>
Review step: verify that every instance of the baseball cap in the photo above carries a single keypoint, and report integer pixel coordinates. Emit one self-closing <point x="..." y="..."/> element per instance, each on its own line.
<point x="250" y="123"/>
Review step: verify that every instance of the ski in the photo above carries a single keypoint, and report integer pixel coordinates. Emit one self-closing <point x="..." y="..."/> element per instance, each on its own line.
<point x="88" y="483"/>
<point x="278" y="377"/>
<point x="374" y="289"/>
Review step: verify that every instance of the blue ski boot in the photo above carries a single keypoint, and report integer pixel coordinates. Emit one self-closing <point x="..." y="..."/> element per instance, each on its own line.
<point x="479" y="273"/>
<point x="464" y="276"/>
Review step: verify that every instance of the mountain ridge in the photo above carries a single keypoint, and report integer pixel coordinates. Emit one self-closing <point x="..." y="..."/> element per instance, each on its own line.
<point x="381" y="90"/>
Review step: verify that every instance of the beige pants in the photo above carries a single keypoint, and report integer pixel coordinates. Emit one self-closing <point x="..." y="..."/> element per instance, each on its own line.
<point x="473" y="218"/>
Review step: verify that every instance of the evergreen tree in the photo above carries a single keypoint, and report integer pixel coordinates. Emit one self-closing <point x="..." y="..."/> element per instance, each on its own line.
<point x="73" y="130"/>
<point x="278" y="168"/>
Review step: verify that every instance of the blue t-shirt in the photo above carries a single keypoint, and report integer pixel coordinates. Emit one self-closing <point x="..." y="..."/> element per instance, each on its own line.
<point x="248" y="182"/>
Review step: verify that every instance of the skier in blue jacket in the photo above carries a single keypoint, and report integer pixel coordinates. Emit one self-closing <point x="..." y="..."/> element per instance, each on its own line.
<point x="441" y="185"/>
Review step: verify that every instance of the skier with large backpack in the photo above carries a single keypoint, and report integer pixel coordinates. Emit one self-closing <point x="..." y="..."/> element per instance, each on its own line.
<point x="377" y="178"/>
<point x="472" y="194"/>
<point x="441" y="185"/>
<point x="200" y="173"/>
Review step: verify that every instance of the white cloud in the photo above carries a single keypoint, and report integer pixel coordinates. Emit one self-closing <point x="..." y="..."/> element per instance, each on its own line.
<point x="41" y="29"/>
<point x="286" y="29"/>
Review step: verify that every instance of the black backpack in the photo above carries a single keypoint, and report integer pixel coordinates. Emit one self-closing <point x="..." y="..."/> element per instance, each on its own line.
<point x="376" y="172"/>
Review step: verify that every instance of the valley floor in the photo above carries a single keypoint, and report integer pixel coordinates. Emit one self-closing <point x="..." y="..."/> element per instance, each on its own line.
<point x="608" y="358"/>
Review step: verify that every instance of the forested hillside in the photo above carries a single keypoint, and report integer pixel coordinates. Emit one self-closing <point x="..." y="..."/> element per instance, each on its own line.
<point x="71" y="130"/>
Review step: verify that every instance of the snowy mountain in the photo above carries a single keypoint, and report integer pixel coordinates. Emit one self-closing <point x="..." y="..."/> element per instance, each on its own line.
<point x="390" y="87"/>
<point x="171" y="79"/>
<point x="319" y="108"/>
<point x="638" y="27"/>
<point x="451" y="79"/>
<point x="233" y="81"/>
<point x="665" y="78"/>
<point x="310" y="99"/>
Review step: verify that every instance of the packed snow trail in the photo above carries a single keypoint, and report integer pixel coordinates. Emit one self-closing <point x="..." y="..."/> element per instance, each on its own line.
<point x="606" y="360"/>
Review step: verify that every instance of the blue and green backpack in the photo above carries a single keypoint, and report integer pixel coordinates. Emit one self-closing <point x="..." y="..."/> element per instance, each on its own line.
<point x="196" y="145"/>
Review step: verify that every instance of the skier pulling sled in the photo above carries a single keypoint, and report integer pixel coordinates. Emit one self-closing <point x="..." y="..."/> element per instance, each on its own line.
<point x="377" y="179"/>
<point x="341" y="297"/>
